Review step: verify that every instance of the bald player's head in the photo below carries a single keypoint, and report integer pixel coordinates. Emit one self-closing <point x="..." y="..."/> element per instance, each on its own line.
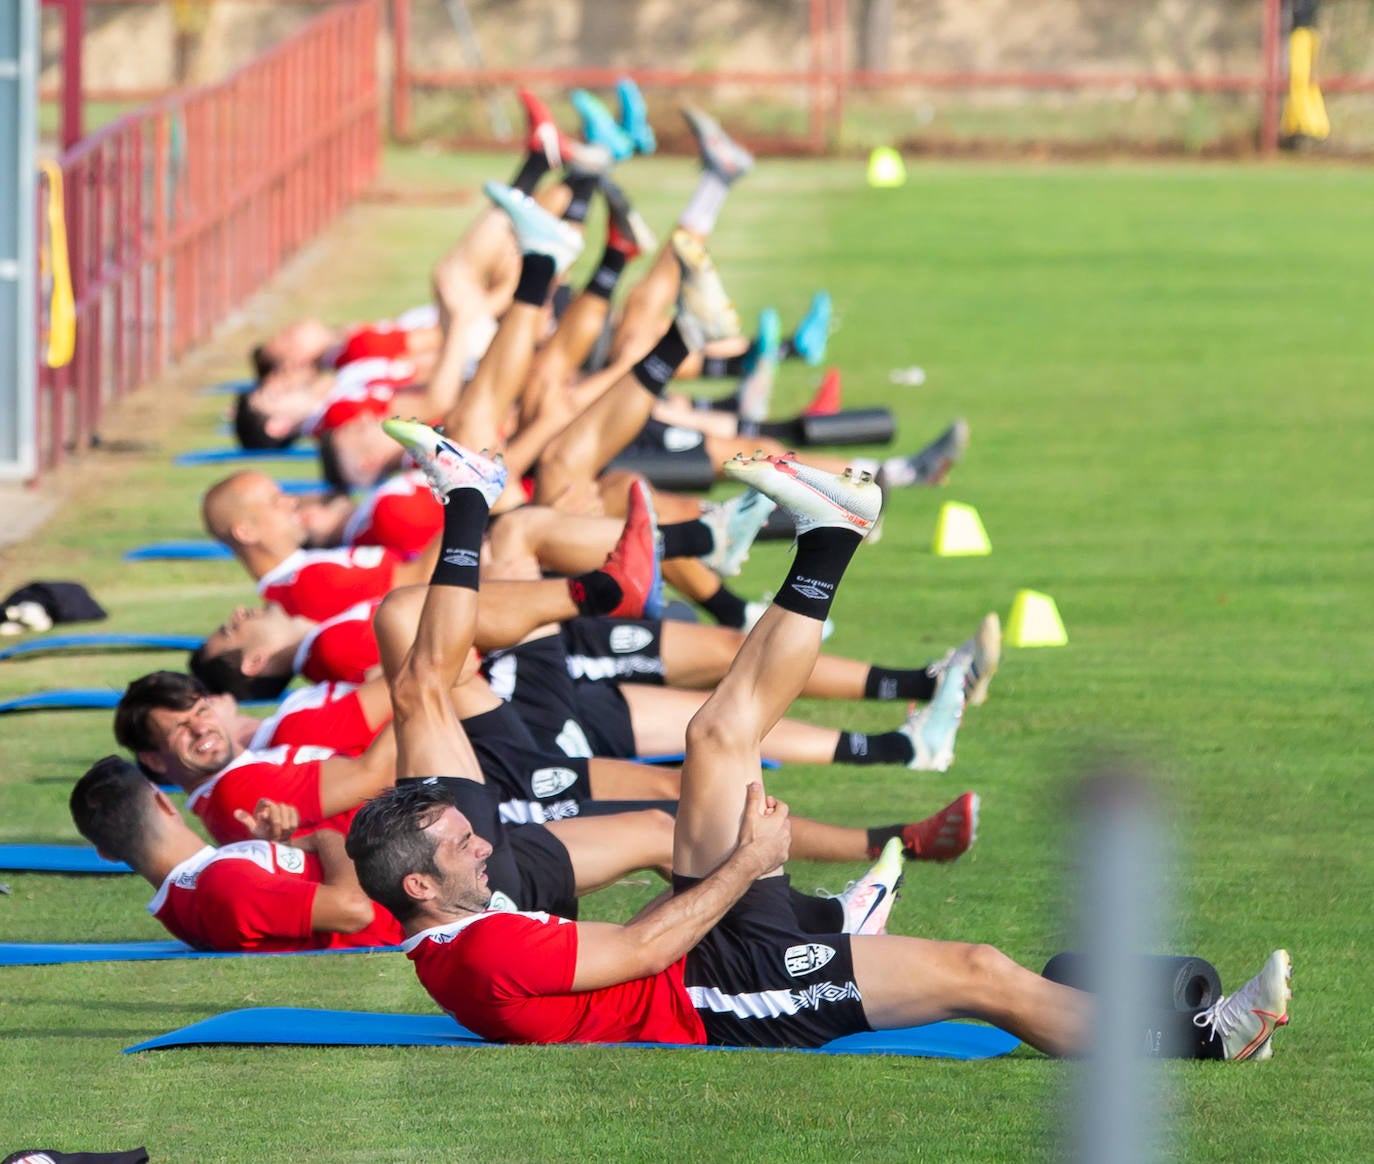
<point x="249" y="509"/>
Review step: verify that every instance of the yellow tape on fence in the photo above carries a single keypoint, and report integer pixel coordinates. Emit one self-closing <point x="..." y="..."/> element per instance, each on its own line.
<point x="53" y="256"/>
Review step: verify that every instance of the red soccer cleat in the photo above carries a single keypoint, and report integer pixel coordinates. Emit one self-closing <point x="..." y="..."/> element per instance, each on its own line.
<point x="948" y="834"/>
<point x="544" y="135"/>
<point x="826" y="402"/>
<point x="634" y="561"/>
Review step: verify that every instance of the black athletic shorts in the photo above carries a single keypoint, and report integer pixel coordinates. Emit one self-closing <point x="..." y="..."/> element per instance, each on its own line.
<point x="757" y="980"/>
<point x="658" y="438"/>
<point x="573" y="718"/>
<point x="528" y="864"/>
<point x="627" y="650"/>
<point x="535" y="783"/>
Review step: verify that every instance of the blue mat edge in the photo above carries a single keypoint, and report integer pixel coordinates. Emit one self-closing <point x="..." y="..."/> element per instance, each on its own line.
<point x="440" y="1030"/>
<point x="150" y="952"/>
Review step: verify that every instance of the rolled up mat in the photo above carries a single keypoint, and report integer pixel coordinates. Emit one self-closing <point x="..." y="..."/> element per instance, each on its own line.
<point x="857" y="426"/>
<point x="686" y="472"/>
<point x="1173" y="982"/>
<point x="189" y="550"/>
<point x="57" y="859"/>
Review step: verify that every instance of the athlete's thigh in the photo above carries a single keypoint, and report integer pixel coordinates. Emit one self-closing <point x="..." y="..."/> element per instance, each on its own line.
<point x="659" y="716"/>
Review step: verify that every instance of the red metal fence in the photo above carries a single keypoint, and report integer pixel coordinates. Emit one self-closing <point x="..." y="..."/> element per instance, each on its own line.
<point x="816" y="68"/>
<point x="176" y="213"/>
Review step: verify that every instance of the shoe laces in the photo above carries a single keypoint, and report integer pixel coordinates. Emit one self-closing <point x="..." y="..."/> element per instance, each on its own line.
<point x="1221" y="1017"/>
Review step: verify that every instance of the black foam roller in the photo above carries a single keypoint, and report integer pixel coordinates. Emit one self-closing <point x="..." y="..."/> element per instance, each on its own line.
<point x="685" y="472"/>
<point x="1173" y="982"/>
<point x="779" y="527"/>
<point x="857" y="426"/>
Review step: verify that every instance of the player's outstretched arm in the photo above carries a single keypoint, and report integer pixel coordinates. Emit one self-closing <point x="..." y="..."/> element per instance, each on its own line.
<point x="609" y="954"/>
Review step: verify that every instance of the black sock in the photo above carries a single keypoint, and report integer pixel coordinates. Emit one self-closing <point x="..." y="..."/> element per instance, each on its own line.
<point x="786" y="349"/>
<point x="885" y="683"/>
<point x="716" y="404"/>
<point x="816" y="915"/>
<point x="822" y="555"/>
<point x="789" y="432"/>
<point x="723" y="367"/>
<point x="726" y="607"/>
<point x="582" y="187"/>
<point x="878" y="838"/>
<point x="465" y="520"/>
<point x="881" y="748"/>
<point x="655" y="370"/>
<point x="534" y="167"/>
<point x="536" y="275"/>
<point x="595" y="593"/>
<point x="687" y="539"/>
<point x="607" y="274"/>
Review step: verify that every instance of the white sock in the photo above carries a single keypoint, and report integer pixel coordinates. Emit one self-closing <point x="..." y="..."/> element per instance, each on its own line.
<point x="703" y="208"/>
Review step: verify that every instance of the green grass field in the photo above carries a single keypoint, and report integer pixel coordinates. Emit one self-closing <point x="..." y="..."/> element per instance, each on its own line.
<point x="1166" y="371"/>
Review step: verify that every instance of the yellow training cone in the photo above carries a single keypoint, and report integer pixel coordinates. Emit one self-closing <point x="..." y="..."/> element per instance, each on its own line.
<point x="886" y="168"/>
<point x="959" y="532"/>
<point x="1035" y="622"/>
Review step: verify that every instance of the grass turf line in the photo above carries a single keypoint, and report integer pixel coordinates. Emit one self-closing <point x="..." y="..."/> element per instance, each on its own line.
<point x="1165" y="370"/>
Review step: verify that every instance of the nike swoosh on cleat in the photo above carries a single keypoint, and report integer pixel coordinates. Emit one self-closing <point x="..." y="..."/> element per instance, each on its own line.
<point x="877" y="901"/>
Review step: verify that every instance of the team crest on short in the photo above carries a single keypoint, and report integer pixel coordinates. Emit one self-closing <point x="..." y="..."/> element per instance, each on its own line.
<point x="627" y="639"/>
<point x="802" y="960"/>
<point x="503" y="903"/>
<point x="290" y="860"/>
<point x="551" y="781"/>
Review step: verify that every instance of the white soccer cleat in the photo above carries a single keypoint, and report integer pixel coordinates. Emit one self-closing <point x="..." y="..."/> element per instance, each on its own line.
<point x="815" y="498"/>
<point x="537" y="232"/>
<point x="981" y="656"/>
<point x="932" y="729"/>
<point x="704" y="309"/>
<point x="448" y="466"/>
<point x="868" y="901"/>
<point x="720" y="153"/>
<point x="1246" y="1020"/>
<point x="734" y="525"/>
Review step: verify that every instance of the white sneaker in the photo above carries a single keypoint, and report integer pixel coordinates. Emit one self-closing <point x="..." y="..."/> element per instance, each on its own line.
<point x="734" y="525"/>
<point x="1246" y="1020"/>
<point x="537" y="232"/>
<point x="704" y="309"/>
<point x="753" y="611"/>
<point x="446" y="465"/>
<point x="868" y="901"/>
<point x="932" y="729"/>
<point x="981" y="656"/>
<point x="815" y="498"/>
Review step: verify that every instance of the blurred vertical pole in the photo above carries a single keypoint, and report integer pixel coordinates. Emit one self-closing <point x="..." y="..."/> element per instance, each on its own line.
<point x="1273" y="76"/>
<point x="400" y="70"/>
<point x="73" y="28"/>
<point x="818" y="10"/>
<point x="18" y="227"/>
<point x="1119" y="917"/>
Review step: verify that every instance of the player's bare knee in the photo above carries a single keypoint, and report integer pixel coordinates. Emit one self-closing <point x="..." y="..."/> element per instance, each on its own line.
<point x="985" y="969"/>
<point x="719" y="730"/>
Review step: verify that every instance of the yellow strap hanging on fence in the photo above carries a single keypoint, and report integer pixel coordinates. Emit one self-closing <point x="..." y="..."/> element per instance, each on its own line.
<point x="53" y="257"/>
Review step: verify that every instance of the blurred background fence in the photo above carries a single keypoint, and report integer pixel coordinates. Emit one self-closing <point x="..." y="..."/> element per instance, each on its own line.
<point x="177" y="211"/>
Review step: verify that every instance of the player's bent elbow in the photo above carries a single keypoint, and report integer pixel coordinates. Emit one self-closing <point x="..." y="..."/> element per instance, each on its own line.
<point x="344" y="913"/>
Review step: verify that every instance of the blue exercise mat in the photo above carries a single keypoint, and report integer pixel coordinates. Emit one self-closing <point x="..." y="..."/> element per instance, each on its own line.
<point x="85" y="698"/>
<point x="679" y="757"/>
<point x="228" y="388"/>
<point x="180" y="551"/>
<point x="296" y="486"/>
<point x="57" y="859"/>
<point x="76" y="643"/>
<point x="53" y="953"/>
<point x="231" y="455"/>
<point x="303" y="1026"/>
<point x="68" y="699"/>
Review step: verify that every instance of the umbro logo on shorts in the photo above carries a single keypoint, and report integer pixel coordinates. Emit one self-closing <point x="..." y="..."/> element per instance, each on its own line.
<point x="551" y="781"/>
<point x="809" y="591"/>
<point x="460" y="557"/>
<point x="627" y="639"/>
<point x="802" y="960"/>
